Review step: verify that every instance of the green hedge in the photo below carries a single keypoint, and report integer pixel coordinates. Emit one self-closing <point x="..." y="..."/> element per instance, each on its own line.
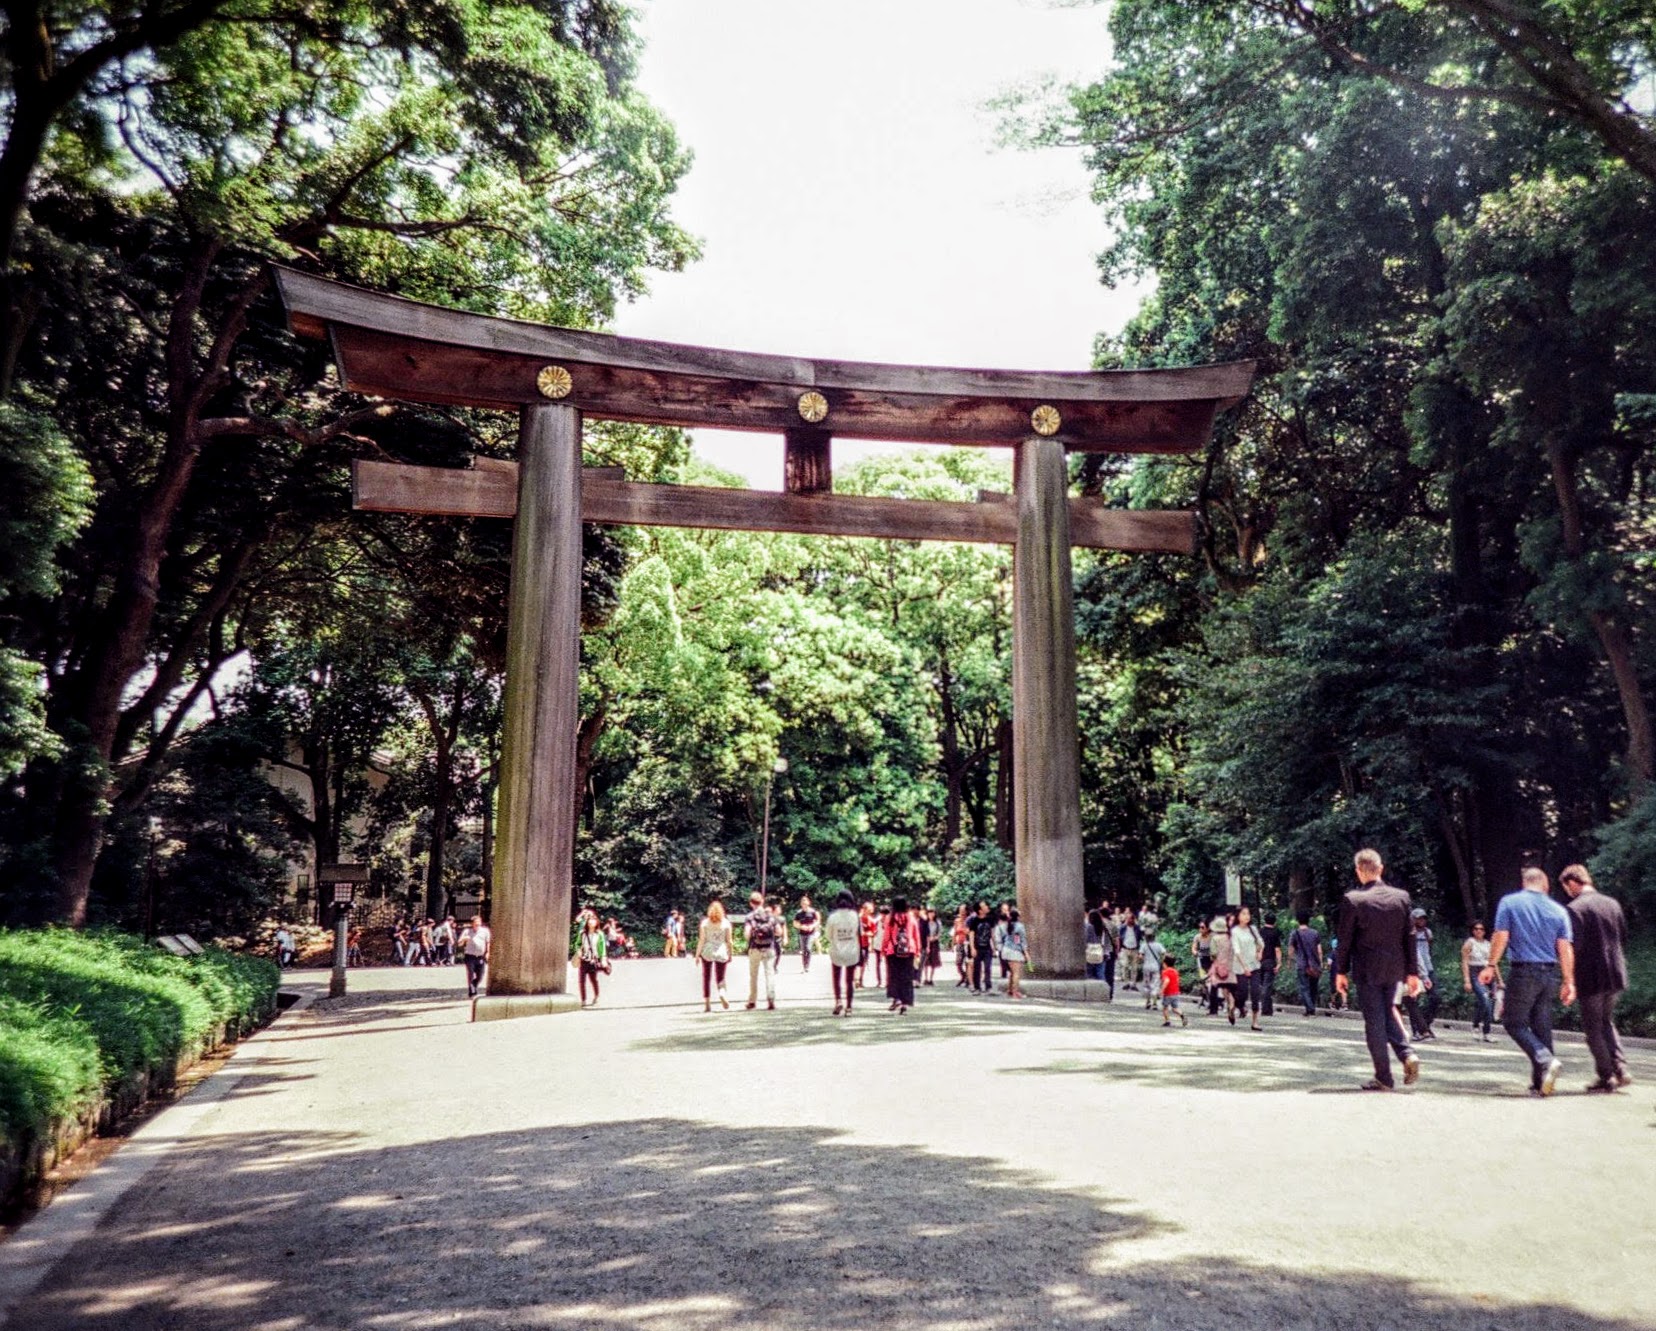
<point x="82" y="1012"/>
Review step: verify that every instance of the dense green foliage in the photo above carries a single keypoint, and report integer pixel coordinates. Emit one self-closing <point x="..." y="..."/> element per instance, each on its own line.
<point x="81" y="1013"/>
<point x="1422" y="615"/>
<point x="1420" y="619"/>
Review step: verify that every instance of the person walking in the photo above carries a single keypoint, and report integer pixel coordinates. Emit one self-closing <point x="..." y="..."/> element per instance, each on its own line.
<point x="983" y="950"/>
<point x="843" y="932"/>
<point x="1131" y="940"/>
<point x="1600" y="946"/>
<point x="475" y="943"/>
<point x="1247" y="956"/>
<point x="1170" y="991"/>
<point x="1151" y="955"/>
<point x="1536" y="934"/>
<point x="1014" y="952"/>
<point x="1376" y="948"/>
<point x="669" y="941"/>
<point x="1305" y="946"/>
<point x="1201" y="948"/>
<point x="284" y="946"/>
<point x="1474" y="957"/>
<point x="759" y="929"/>
<point x="1094" y="942"/>
<point x="593" y="952"/>
<point x="1270" y="961"/>
<point x="962" y="937"/>
<point x="865" y="940"/>
<point x="882" y="921"/>
<point x="714" y="948"/>
<point x="1422" y="1010"/>
<point x="902" y="945"/>
<point x="806" y="924"/>
<point x="1220" y="988"/>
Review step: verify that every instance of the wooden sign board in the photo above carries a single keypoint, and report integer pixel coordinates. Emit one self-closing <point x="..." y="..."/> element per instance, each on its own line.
<point x="194" y="948"/>
<point x="342" y="873"/>
<point x="172" y="945"/>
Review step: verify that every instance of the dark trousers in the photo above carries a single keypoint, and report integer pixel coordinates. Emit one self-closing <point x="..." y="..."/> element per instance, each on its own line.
<point x="1528" y="1014"/>
<point x="1109" y="968"/>
<point x="850" y="974"/>
<point x="1599" y="1026"/>
<point x="474" y="976"/>
<point x="713" y="973"/>
<point x="900" y="980"/>
<point x="1267" y="987"/>
<point x="1247" y="992"/>
<point x="1382" y="1031"/>
<point x="1422" y="1010"/>
<point x="589" y="971"/>
<point x="983" y="973"/>
<point x="1484" y="996"/>
<point x="1308" y="992"/>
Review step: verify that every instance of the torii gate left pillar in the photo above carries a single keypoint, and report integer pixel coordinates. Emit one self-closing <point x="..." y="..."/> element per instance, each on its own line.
<point x="535" y="852"/>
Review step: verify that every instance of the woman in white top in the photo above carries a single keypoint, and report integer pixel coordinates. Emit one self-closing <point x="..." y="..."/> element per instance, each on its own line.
<point x="1014" y="952"/>
<point x="1474" y="957"/>
<point x="843" y="930"/>
<point x="1247" y="947"/>
<point x="713" y="949"/>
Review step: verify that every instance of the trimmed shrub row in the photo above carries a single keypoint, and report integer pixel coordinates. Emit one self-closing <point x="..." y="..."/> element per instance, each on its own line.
<point x="91" y="1022"/>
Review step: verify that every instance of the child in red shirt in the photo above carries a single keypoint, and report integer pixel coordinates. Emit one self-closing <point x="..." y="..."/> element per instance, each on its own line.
<point x="1170" y="993"/>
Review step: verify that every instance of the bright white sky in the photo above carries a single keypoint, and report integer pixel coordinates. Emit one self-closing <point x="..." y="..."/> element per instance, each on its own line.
<point x="849" y="197"/>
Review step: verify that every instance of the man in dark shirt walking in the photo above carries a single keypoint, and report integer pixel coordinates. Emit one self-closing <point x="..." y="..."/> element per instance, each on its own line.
<point x="1376" y="947"/>
<point x="1600" y="972"/>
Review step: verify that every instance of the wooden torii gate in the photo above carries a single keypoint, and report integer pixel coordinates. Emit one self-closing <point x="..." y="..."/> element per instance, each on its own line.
<point x="552" y="377"/>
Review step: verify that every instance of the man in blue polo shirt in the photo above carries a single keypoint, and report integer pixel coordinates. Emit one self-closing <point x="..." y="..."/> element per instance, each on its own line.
<point x="1533" y="931"/>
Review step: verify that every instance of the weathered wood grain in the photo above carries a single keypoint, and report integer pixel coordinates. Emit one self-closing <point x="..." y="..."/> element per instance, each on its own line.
<point x="807" y="462"/>
<point x="398" y="488"/>
<point x="535" y="844"/>
<point x="314" y="302"/>
<point x="1045" y="728"/>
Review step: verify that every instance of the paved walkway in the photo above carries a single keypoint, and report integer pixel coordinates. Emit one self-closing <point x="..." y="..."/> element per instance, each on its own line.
<point x="375" y="1162"/>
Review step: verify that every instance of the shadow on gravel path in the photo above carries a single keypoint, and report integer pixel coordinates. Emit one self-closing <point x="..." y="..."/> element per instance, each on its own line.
<point x="661" y="1224"/>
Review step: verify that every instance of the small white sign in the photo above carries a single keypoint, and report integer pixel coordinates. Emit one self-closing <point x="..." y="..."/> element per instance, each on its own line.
<point x="1233" y="885"/>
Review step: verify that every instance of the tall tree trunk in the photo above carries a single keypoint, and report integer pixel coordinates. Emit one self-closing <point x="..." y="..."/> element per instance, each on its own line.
<point x="123" y="626"/>
<point x="1003" y="785"/>
<point x="1614" y="636"/>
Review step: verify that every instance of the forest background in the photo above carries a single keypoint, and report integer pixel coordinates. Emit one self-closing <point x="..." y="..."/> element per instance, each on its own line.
<point x="1420" y="617"/>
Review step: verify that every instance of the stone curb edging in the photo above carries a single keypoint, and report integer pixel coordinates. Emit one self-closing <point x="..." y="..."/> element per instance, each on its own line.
<point x="29" y="1255"/>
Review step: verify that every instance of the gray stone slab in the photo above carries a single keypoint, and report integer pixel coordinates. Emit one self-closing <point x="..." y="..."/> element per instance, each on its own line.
<point x="503" y="1007"/>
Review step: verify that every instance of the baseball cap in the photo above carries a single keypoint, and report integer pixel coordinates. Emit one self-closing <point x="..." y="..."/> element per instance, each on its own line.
<point x="1417" y="914"/>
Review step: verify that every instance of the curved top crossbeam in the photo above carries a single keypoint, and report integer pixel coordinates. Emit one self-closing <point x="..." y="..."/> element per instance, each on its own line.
<point x="390" y="347"/>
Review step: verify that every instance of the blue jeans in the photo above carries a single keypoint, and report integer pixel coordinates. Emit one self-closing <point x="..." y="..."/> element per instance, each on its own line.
<point x="1382" y="1029"/>
<point x="1528" y="1017"/>
<point x="1485" y="999"/>
<point x="1095" y="970"/>
<point x="1308" y="992"/>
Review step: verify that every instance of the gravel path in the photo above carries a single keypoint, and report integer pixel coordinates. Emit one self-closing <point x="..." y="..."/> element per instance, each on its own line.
<point x="376" y="1162"/>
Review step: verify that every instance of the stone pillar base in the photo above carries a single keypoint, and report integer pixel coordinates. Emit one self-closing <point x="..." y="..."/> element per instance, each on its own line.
<point x="503" y="1007"/>
<point x="1071" y="991"/>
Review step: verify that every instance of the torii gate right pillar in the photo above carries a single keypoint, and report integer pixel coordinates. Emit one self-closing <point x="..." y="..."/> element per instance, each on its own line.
<point x="1046" y="755"/>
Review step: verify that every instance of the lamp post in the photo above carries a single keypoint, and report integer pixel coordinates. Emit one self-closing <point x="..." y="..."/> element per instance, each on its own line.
<point x="777" y="768"/>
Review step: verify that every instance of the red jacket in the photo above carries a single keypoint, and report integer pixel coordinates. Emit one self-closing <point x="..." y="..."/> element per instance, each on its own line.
<point x="910" y="927"/>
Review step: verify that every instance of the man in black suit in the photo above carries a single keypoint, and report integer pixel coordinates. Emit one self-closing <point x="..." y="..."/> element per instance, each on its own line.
<point x="1377" y="947"/>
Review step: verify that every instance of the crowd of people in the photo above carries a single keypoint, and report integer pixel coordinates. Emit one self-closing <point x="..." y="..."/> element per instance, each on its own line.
<point x="1382" y="945"/>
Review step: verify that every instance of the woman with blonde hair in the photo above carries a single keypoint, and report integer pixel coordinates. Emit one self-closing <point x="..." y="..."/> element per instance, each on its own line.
<point x="714" y="945"/>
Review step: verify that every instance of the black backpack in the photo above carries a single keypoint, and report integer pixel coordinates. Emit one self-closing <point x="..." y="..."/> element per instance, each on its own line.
<point x="761" y="930"/>
<point x="900" y="937"/>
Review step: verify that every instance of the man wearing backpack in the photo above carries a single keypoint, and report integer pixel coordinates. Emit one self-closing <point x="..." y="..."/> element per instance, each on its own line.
<point x="760" y="932"/>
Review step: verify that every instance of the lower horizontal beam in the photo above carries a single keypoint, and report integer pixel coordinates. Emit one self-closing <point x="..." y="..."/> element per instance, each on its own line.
<point x="492" y="493"/>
